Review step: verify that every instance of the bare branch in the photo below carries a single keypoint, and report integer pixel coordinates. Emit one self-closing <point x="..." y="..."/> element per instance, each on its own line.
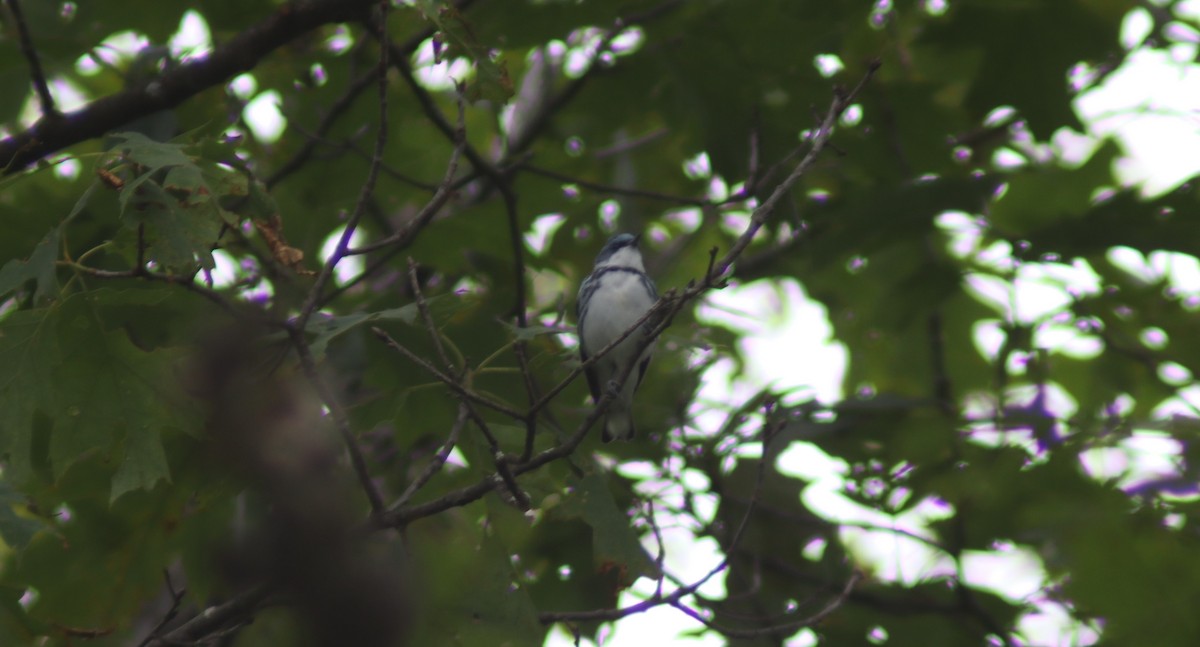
<point x="35" y="66"/>
<point x="445" y="190"/>
<point x="447" y="380"/>
<point x="612" y="190"/>
<point x="340" y="419"/>
<point x="666" y="308"/>
<point x="438" y="461"/>
<point x="540" y="121"/>
<point x="786" y="627"/>
<point x="819" y="141"/>
<point x="339" y="107"/>
<point x="423" y="308"/>
<point x="296" y="331"/>
<point x="502" y="462"/>
<point x="350" y="145"/>
<point x="236" y="310"/>
<point x="176" y="600"/>
<point x="343" y="245"/>
<point x="216" y="619"/>
<point x="177" y="84"/>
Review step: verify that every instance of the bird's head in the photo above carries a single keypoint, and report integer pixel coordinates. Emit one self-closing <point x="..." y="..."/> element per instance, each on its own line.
<point x="621" y="250"/>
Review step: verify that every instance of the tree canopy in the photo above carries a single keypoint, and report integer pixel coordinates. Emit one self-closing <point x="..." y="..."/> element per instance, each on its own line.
<point x="287" y="344"/>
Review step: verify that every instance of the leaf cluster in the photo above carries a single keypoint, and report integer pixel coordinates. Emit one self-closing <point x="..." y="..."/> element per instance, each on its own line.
<point x="216" y="430"/>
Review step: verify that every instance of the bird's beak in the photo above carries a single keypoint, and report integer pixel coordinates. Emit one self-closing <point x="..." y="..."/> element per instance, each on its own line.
<point x="637" y="240"/>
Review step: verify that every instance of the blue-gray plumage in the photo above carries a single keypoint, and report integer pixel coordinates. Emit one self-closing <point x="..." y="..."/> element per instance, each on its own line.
<point x="611" y="299"/>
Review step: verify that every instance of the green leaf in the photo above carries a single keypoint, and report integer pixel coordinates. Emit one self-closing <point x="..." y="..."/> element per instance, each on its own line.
<point x="16" y="627"/>
<point x="615" y="545"/>
<point x="94" y="385"/>
<point x="494" y="609"/>
<point x="39" y="268"/>
<point x="144" y="463"/>
<point x="529" y="332"/>
<point x="1039" y="197"/>
<point x="1054" y="36"/>
<point x="149" y="153"/>
<point x="182" y="225"/>
<point x="171" y="197"/>
<point x="442" y="307"/>
<point x="15" y="529"/>
<point x="491" y="75"/>
<point x="327" y="329"/>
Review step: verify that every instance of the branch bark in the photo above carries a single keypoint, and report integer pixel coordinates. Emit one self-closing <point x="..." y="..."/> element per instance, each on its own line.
<point x="54" y="132"/>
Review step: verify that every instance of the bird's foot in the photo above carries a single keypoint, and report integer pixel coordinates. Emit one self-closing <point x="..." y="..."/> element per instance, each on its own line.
<point x="613" y="389"/>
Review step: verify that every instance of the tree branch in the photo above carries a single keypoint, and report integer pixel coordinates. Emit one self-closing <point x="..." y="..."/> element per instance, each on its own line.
<point x="368" y="187"/>
<point x="339" y="107"/>
<point x="296" y="330"/>
<point x="445" y="190"/>
<point x="216" y="618"/>
<point x="446" y="379"/>
<point x="49" y="111"/>
<point x="612" y="190"/>
<point x="340" y="420"/>
<point x="439" y="459"/>
<point x="666" y="308"/>
<point x="177" y="84"/>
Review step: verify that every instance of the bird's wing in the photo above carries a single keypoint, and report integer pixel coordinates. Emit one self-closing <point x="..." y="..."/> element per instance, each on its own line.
<point x="590" y="373"/>
<point x="650" y="288"/>
<point x="642" y="371"/>
<point x="649" y="285"/>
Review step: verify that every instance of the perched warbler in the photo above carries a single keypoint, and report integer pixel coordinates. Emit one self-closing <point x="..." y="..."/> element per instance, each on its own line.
<point x="611" y="299"/>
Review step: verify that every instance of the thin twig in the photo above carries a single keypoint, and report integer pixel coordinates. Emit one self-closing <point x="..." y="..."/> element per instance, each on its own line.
<point x="783" y="628"/>
<point x="820" y="140"/>
<point x="666" y="308"/>
<point x="438" y="461"/>
<point x="426" y="316"/>
<point x="31" y="56"/>
<point x="188" y="283"/>
<point x="661" y="558"/>
<point x="176" y="84"/>
<point x="339" y="107"/>
<point x="612" y="190"/>
<point x="532" y="390"/>
<point x="216" y="619"/>
<point x="350" y="145"/>
<point x="624" y="146"/>
<point x="446" y="379"/>
<point x="297" y="331"/>
<point x="340" y="419"/>
<point x="445" y="190"/>
<point x="176" y="600"/>
<point x="343" y="245"/>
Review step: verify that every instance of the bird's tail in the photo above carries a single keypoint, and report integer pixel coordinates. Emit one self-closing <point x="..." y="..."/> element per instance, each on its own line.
<point x="618" y="424"/>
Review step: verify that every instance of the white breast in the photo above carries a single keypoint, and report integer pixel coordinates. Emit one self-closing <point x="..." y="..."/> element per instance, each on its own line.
<point x="620" y="301"/>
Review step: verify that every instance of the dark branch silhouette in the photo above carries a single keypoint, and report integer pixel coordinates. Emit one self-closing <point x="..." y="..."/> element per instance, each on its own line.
<point x="54" y="132"/>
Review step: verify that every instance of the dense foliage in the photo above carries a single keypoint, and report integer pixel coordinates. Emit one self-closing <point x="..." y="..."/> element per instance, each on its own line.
<point x="212" y="435"/>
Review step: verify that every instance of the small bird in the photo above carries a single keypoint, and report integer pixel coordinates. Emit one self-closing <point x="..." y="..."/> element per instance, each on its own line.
<point x="611" y="299"/>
